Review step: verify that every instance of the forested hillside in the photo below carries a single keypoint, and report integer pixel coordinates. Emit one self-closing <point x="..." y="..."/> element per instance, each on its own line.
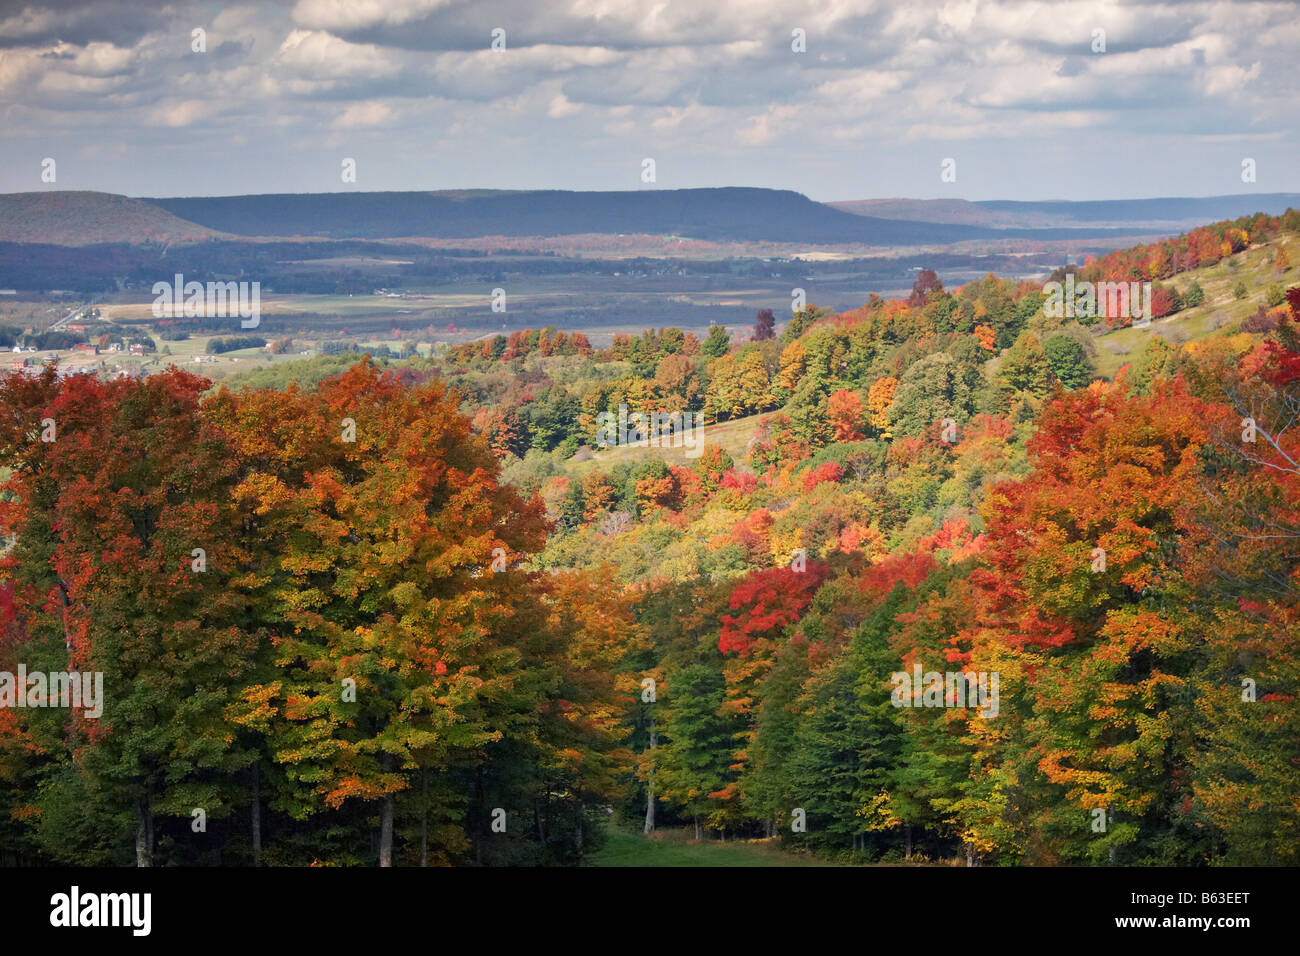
<point x="416" y="614"/>
<point x="737" y="213"/>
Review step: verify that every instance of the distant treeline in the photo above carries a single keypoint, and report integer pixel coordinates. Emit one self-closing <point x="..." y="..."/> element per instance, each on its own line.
<point x="234" y="343"/>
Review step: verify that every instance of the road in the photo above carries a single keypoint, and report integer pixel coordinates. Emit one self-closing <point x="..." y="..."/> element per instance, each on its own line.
<point x="74" y="314"/>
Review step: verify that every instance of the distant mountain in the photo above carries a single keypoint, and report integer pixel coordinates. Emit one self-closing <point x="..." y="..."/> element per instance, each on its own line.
<point x="736" y="214"/>
<point x="952" y="211"/>
<point x="77" y="218"/>
<point x="1199" y="210"/>
<point x="1173" y="214"/>
<point x="733" y="214"/>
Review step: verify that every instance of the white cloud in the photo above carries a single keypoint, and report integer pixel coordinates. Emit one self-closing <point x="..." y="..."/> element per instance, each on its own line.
<point x="360" y="115"/>
<point x="560" y="107"/>
<point x="322" y="56"/>
<point x="696" y="83"/>
<point x="184" y="113"/>
<point x="346" y="15"/>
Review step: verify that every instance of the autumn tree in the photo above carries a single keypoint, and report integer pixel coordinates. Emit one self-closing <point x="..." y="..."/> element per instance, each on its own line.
<point x="847" y="414"/>
<point x="127" y="566"/>
<point x="1083" y="580"/>
<point x="394" y="648"/>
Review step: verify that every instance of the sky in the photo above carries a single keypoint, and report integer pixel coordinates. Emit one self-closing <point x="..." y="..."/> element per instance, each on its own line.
<point x="1019" y="95"/>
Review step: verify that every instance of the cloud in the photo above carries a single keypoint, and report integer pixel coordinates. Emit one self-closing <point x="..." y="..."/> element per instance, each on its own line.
<point x="184" y="113"/>
<point x="560" y="107"/>
<point x="94" y="59"/>
<point x="315" y="55"/>
<point x="343" y="16"/>
<point x="360" y="115"/>
<point x="711" y="89"/>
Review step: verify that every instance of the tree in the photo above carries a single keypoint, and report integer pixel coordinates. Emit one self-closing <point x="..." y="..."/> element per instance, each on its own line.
<point x="739" y="385"/>
<point x="879" y="397"/>
<point x="929" y="391"/>
<point x="927" y="283"/>
<point x="847" y="414"/>
<point x="799" y="323"/>
<point x="394" y="650"/>
<point x="1083" y="583"/>
<point x="717" y="342"/>
<point x="793" y="362"/>
<point x="1025" y="367"/>
<point x="677" y="382"/>
<point x="1242" y="557"/>
<point x="598" y="494"/>
<point x="109" y="516"/>
<point x="583" y="720"/>
<point x="765" y="602"/>
<point x="1158" y="360"/>
<point x="765" y="326"/>
<point x="694" y="761"/>
<point x="1068" y="361"/>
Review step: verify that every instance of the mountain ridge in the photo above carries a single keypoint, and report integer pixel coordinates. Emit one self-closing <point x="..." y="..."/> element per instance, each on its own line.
<point x="732" y="213"/>
<point x="723" y="213"/>
<point x="1172" y="213"/>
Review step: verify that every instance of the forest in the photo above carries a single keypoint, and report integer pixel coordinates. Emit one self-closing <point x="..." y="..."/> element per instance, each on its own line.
<point x="407" y="614"/>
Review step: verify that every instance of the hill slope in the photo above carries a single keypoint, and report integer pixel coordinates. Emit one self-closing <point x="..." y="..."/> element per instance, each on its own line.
<point x="81" y="218"/>
<point x="733" y="213"/>
<point x="1221" y="309"/>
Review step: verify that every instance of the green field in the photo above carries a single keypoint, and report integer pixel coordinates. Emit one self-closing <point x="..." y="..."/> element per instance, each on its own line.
<point x="733" y="436"/>
<point x="674" y="848"/>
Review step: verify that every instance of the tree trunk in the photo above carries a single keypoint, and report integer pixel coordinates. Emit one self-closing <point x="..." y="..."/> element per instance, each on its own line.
<point x="650" y="783"/>
<point x="581" y="858"/>
<point x="696" y="818"/>
<point x="476" y="836"/>
<point x="143" y="832"/>
<point x="970" y="855"/>
<point x="424" y="817"/>
<point x="386" y="831"/>
<point x="257" y="813"/>
<point x="908" y="830"/>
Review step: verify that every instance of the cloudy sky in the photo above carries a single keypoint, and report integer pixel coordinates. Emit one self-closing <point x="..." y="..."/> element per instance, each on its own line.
<point x="712" y="90"/>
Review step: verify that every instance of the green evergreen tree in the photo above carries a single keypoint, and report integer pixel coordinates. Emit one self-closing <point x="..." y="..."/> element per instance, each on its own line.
<point x="695" y="759"/>
<point x="716" y="342"/>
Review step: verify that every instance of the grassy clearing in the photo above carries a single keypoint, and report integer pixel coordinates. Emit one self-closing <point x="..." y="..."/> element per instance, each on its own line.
<point x="676" y="848"/>
<point x="734" y="436"/>
<point x="1252" y="266"/>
